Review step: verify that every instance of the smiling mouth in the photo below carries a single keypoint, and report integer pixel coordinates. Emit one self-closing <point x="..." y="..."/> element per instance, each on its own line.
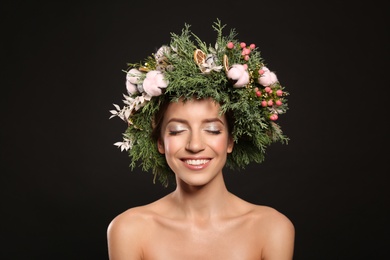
<point x="196" y="162"/>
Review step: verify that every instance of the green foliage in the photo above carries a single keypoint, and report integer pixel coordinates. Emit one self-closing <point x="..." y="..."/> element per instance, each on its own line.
<point x="253" y="129"/>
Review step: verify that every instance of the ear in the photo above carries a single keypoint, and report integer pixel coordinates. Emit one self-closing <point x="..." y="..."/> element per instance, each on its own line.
<point x="160" y="146"/>
<point x="230" y="145"/>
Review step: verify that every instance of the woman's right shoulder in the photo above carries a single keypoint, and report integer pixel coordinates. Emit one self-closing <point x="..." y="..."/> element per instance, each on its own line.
<point x="138" y="218"/>
<point x="127" y="231"/>
<point x="132" y="219"/>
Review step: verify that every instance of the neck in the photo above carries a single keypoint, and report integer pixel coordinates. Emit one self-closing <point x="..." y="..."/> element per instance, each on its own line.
<point x="204" y="201"/>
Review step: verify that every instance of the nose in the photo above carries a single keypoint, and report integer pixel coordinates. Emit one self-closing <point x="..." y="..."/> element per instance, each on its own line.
<point x="195" y="143"/>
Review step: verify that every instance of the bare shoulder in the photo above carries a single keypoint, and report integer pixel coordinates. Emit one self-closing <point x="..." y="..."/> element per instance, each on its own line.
<point x="129" y="221"/>
<point x="127" y="231"/>
<point x="277" y="231"/>
<point x="273" y="218"/>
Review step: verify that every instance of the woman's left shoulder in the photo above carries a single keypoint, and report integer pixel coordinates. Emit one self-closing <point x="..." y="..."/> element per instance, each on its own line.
<point x="271" y="217"/>
<point x="277" y="232"/>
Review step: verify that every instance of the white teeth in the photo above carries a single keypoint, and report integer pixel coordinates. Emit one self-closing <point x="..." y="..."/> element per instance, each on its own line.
<point x="196" y="162"/>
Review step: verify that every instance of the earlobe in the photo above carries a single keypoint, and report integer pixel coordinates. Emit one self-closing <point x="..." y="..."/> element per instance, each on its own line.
<point x="230" y="145"/>
<point x="160" y="146"/>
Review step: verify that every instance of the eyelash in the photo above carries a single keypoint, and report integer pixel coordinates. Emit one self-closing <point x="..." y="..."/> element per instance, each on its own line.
<point x="175" y="132"/>
<point x="214" y="132"/>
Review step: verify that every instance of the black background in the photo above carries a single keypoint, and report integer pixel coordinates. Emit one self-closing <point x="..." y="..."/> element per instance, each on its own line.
<point x="63" y="180"/>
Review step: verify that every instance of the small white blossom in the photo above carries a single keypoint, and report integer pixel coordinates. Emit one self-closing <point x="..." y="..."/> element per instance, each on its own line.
<point x="125" y="145"/>
<point x="130" y="105"/>
<point x="209" y="64"/>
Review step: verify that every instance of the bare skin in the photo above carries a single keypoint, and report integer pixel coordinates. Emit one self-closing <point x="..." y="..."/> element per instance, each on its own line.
<point x="201" y="219"/>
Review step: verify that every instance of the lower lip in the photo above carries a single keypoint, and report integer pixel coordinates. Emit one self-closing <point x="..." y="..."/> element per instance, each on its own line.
<point x="196" y="167"/>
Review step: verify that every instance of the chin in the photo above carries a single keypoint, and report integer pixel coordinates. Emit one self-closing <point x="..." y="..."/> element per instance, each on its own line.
<point x="195" y="179"/>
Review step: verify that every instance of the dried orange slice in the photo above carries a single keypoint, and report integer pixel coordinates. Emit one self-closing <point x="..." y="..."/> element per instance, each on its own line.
<point x="226" y="63"/>
<point x="199" y="56"/>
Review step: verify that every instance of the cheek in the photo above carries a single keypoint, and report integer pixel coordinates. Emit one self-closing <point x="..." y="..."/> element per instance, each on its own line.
<point x="171" y="145"/>
<point x="220" y="144"/>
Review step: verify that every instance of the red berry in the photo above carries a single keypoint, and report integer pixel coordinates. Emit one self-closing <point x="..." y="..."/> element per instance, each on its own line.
<point x="273" y="117"/>
<point x="230" y="45"/>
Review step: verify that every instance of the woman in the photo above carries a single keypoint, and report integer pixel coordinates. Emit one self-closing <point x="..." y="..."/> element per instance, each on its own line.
<point x="194" y="131"/>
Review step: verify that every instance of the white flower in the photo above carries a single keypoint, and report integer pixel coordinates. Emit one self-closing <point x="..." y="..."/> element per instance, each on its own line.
<point x="161" y="52"/>
<point x="239" y="74"/>
<point x="154" y="82"/>
<point x="125" y="145"/>
<point x="132" y="80"/>
<point x="130" y="105"/>
<point x="267" y="78"/>
<point x="209" y="64"/>
<point x="141" y="100"/>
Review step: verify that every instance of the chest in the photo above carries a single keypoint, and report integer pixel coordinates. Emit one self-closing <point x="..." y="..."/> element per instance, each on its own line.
<point x="228" y="241"/>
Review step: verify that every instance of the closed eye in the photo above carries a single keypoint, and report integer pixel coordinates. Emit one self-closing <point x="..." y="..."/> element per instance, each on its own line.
<point x="175" y="132"/>
<point x="215" y="132"/>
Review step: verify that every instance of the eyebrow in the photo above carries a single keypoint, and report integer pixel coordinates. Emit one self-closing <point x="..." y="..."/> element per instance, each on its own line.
<point x="208" y="120"/>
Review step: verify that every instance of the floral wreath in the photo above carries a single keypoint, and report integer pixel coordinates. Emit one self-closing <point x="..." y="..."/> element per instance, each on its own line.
<point x="230" y="72"/>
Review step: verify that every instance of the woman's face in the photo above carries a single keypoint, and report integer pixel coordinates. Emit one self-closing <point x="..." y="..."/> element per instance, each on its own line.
<point x="195" y="140"/>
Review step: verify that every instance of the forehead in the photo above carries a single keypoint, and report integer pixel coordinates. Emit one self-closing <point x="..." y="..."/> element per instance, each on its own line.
<point x="193" y="108"/>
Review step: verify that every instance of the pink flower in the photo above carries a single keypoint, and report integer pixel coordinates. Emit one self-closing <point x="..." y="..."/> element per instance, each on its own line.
<point x="154" y="82"/>
<point x="132" y="79"/>
<point x="239" y="74"/>
<point x="230" y="45"/>
<point x="267" y="78"/>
